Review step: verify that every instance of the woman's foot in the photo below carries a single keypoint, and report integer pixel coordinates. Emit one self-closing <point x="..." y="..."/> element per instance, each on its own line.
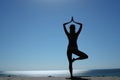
<point x="79" y="58"/>
<point x="73" y="59"/>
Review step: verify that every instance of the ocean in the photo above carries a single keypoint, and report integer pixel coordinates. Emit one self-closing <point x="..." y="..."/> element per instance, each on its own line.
<point x="62" y="73"/>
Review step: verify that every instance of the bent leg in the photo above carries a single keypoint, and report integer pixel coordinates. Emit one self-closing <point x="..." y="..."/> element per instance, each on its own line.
<point x="80" y="54"/>
<point x="69" y="55"/>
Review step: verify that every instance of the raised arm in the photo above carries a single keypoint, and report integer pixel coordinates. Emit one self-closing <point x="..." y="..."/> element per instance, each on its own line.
<point x="64" y="26"/>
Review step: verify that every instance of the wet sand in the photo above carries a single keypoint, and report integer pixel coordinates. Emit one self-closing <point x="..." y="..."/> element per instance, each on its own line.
<point x="59" y="78"/>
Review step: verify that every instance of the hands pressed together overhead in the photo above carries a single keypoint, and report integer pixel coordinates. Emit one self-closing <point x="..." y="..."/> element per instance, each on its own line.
<point x="72" y="20"/>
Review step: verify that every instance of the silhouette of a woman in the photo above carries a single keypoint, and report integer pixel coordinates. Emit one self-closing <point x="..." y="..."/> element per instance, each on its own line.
<point x="72" y="46"/>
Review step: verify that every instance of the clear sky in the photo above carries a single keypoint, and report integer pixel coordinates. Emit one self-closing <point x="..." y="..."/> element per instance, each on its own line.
<point x="32" y="36"/>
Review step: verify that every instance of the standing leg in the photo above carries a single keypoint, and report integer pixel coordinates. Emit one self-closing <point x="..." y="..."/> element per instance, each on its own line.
<point x="69" y="55"/>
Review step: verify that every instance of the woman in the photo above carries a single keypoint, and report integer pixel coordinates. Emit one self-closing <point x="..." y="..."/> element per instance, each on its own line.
<point x="72" y="46"/>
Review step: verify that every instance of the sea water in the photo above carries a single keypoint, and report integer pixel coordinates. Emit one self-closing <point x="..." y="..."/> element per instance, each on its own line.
<point x="62" y="73"/>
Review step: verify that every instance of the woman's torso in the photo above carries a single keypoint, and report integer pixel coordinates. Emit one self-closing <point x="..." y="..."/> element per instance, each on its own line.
<point x="72" y="41"/>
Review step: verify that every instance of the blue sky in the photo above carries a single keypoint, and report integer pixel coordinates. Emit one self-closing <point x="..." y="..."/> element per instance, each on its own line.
<point x="32" y="36"/>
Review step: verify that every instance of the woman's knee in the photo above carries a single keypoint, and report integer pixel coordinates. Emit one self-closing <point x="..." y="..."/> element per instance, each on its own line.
<point x="85" y="56"/>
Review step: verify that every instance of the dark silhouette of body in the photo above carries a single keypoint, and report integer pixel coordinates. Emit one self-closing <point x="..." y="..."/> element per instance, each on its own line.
<point x="72" y="46"/>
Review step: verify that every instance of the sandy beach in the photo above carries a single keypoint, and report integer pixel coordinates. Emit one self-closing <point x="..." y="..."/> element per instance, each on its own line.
<point x="59" y="78"/>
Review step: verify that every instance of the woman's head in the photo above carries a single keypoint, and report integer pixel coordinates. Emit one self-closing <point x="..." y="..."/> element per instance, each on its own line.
<point x="72" y="28"/>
